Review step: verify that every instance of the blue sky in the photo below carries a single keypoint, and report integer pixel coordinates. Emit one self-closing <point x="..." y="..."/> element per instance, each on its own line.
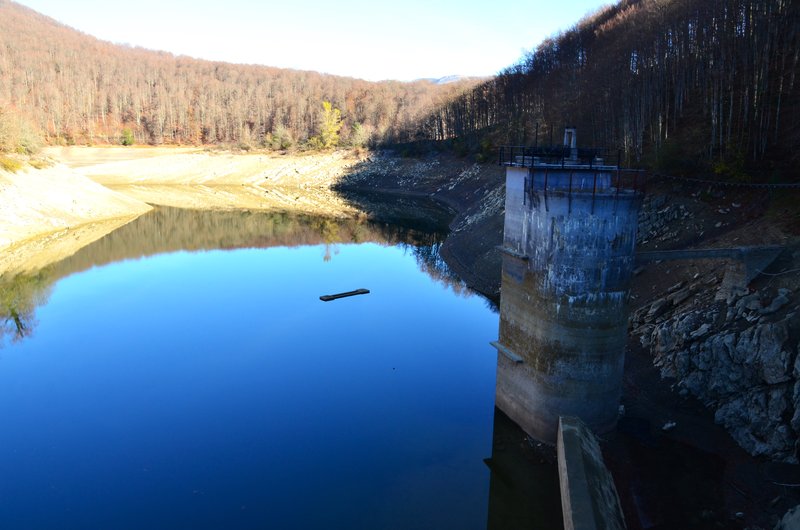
<point x="404" y="39"/>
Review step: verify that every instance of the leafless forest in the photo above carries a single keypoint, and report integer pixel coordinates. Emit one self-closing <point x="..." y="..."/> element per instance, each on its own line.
<point x="676" y="84"/>
<point x="76" y="88"/>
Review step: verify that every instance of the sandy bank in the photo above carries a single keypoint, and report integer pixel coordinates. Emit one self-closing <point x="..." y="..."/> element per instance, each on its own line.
<point x="81" y="156"/>
<point x="36" y="253"/>
<point x="314" y="201"/>
<point x="48" y="214"/>
<point x="115" y="166"/>
<point x="38" y="203"/>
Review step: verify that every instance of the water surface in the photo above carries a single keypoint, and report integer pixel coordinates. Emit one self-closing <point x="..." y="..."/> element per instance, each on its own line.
<point x="182" y="373"/>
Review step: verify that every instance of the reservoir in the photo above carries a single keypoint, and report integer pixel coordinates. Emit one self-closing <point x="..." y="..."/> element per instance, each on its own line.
<point x="182" y="373"/>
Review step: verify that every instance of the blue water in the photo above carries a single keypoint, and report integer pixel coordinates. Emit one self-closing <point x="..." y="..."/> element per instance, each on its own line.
<point x="213" y="389"/>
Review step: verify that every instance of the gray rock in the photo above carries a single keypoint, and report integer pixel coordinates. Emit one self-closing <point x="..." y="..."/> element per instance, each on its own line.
<point x="657" y="308"/>
<point x="751" y="377"/>
<point x="777" y="404"/>
<point x="678" y="297"/>
<point x="646" y="337"/>
<point x="701" y="331"/>
<point x="750" y="302"/>
<point x="695" y="382"/>
<point x="790" y="521"/>
<point x="735" y="294"/>
<point x="676" y="287"/>
<point x="777" y="303"/>
<point x="774" y="360"/>
<point x="795" y="421"/>
<point x="747" y="418"/>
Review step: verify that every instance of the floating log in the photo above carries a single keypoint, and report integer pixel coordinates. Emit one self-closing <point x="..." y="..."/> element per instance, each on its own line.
<point x="329" y="297"/>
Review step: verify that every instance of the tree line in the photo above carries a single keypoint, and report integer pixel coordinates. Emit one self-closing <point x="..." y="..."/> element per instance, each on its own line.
<point x="675" y="84"/>
<point x="75" y="88"/>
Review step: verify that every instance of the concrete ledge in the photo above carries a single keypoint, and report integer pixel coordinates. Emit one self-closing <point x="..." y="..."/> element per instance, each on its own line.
<point x="511" y="252"/>
<point x="588" y="496"/>
<point x="505" y="351"/>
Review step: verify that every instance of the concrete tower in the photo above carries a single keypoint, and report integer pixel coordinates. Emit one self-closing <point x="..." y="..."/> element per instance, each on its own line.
<point x="570" y="232"/>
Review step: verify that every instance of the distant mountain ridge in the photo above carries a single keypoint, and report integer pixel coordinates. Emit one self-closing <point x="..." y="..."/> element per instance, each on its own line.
<point x="446" y="80"/>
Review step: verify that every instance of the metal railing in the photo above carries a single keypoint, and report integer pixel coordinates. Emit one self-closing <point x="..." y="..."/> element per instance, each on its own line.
<point x="558" y="156"/>
<point x="613" y="181"/>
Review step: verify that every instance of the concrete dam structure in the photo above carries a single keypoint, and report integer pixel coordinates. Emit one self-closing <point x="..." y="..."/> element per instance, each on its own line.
<point x="569" y="241"/>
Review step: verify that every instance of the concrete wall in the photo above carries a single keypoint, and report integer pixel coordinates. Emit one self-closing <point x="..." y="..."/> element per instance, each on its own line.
<point x="589" y="498"/>
<point x="515" y="227"/>
<point x="565" y="309"/>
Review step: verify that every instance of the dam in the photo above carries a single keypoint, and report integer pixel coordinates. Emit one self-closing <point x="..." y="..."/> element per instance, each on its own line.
<point x="568" y="258"/>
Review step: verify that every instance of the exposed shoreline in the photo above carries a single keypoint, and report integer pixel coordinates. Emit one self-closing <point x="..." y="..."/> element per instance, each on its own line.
<point x="50" y="213"/>
<point x="695" y="472"/>
<point x="92" y="187"/>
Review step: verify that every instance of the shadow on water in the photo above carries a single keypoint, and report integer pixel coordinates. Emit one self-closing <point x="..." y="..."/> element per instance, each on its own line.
<point x="523" y="489"/>
<point x="417" y="214"/>
<point x="420" y="213"/>
<point x="664" y="483"/>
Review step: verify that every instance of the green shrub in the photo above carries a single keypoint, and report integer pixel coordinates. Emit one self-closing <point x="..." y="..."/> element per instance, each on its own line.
<point x="359" y="135"/>
<point x="10" y="164"/>
<point x="315" y="143"/>
<point x="127" y="137"/>
<point x="17" y="135"/>
<point x="281" y="138"/>
<point x="732" y="167"/>
<point x="39" y="163"/>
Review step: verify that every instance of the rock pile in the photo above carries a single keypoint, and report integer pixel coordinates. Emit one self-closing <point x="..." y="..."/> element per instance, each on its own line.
<point x="657" y="220"/>
<point x="738" y="356"/>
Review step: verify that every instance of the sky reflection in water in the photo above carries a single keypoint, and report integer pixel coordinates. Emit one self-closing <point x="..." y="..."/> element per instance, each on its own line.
<point x="213" y="389"/>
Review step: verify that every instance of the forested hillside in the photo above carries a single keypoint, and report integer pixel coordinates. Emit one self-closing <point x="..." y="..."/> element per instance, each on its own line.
<point x="676" y="84"/>
<point x="76" y="88"/>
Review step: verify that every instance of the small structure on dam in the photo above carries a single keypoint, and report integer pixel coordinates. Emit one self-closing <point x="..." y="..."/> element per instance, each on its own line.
<point x="569" y="239"/>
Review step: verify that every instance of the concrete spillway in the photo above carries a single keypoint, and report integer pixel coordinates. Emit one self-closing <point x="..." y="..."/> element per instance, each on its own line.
<point x="569" y="236"/>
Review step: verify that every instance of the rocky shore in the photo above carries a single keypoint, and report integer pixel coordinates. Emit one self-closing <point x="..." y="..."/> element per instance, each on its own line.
<point x="708" y="374"/>
<point x="474" y="192"/>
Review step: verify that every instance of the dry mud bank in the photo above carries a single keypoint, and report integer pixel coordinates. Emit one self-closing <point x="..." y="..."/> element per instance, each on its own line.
<point x="89" y="191"/>
<point x="163" y="166"/>
<point x="48" y="214"/>
<point x="314" y="201"/>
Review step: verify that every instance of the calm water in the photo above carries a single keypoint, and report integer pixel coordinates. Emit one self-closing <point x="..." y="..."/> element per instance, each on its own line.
<point x="183" y="373"/>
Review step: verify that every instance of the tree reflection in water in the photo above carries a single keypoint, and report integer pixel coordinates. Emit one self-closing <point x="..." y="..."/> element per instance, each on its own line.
<point x="20" y="295"/>
<point x="167" y="230"/>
